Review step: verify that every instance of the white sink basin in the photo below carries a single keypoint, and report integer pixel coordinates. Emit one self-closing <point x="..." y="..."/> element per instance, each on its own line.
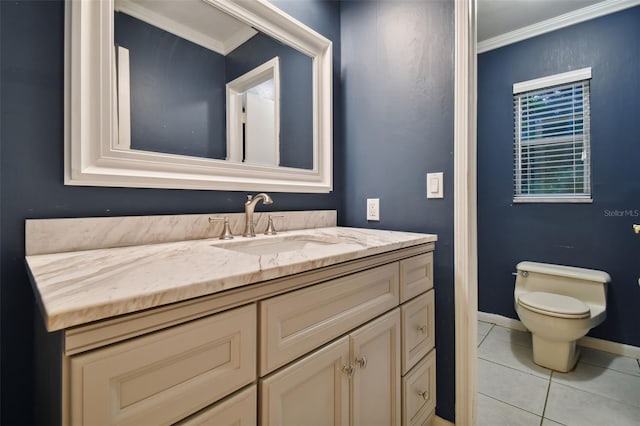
<point x="274" y="245"/>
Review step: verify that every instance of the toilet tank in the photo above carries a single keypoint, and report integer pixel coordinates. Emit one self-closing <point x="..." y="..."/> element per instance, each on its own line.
<point x="587" y="285"/>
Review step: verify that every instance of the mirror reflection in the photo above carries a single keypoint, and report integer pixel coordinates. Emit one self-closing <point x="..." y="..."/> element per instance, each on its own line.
<point x="193" y="81"/>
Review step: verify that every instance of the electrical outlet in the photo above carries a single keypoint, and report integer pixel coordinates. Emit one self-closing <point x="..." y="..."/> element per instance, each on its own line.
<point x="373" y="208"/>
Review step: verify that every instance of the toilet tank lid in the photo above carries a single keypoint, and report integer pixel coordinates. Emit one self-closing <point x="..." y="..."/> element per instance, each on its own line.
<point x="565" y="271"/>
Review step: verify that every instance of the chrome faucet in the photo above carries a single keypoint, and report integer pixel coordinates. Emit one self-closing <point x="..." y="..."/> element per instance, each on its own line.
<point x="249" y="207"/>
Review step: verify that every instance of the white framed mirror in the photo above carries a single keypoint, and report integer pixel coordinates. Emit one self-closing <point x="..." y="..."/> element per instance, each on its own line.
<point x="102" y="126"/>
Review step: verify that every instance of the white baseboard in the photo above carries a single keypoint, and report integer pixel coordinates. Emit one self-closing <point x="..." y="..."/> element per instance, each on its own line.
<point x="612" y="347"/>
<point x="439" y="421"/>
<point x="587" y="342"/>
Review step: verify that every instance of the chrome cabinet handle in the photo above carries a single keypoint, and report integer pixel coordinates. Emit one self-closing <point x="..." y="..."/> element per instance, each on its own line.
<point x="423" y="394"/>
<point x="349" y="370"/>
<point x="422" y="329"/>
<point x="362" y="361"/>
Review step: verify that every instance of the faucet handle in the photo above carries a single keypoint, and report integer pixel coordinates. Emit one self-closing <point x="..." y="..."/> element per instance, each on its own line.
<point x="270" y="229"/>
<point x="226" y="232"/>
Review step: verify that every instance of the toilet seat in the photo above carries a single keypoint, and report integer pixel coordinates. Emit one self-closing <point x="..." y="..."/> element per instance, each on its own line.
<point x="555" y="305"/>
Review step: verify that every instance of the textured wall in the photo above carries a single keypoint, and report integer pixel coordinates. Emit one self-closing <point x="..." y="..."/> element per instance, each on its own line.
<point x="594" y="235"/>
<point x="397" y="77"/>
<point x="31" y="172"/>
<point x="177" y="91"/>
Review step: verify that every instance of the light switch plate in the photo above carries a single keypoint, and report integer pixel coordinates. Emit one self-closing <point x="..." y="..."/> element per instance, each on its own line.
<point x="373" y="208"/>
<point x="435" y="185"/>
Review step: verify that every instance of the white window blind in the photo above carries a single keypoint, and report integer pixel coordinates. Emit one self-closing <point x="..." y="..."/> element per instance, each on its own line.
<point x="552" y="143"/>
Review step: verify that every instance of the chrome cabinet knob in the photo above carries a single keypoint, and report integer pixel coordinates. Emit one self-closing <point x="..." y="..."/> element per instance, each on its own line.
<point x="362" y="361"/>
<point x="423" y="394"/>
<point x="349" y="370"/>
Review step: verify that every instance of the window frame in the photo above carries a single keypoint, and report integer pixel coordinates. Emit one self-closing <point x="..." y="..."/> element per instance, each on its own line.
<point x="549" y="82"/>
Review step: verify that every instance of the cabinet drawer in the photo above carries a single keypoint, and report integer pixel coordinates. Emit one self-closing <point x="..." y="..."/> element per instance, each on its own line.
<point x="416" y="276"/>
<point x="419" y="392"/>
<point x="298" y="322"/>
<point x="418" y="329"/>
<point x="165" y="376"/>
<point x="238" y="410"/>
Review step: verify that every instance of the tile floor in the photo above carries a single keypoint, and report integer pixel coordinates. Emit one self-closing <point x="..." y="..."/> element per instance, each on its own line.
<point x="603" y="389"/>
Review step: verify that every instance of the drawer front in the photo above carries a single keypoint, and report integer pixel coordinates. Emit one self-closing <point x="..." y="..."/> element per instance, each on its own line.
<point x="298" y="322"/>
<point x="165" y="376"/>
<point x="418" y="329"/>
<point x="239" y="410"/>
<point x="416" y="276"/>
<point x="419" y="392"/>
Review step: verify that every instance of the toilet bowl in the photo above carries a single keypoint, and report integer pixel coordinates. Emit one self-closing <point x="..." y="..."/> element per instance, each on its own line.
<point x="559" y="305"/>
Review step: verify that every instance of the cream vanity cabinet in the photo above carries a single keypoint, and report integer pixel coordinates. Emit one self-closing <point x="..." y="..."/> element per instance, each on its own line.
<point x="347" y="344"/>
<point x="354" y="380"/>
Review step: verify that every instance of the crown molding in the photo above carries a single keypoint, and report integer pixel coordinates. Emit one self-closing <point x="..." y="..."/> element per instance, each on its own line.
<point x="562" y="21"/>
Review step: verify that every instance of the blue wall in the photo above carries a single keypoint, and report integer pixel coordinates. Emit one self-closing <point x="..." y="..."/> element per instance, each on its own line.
<point x="398" y="98"/>
<point x="585" y="235"/>
<point x="184" y="86"/>
<point x="31" y="171"/>
<point x="178" y="91"/>
<point x="397" y="79"/>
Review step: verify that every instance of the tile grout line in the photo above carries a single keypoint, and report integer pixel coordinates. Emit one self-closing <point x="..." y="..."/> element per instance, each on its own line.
<point x="511" y="342"/>
<point x="486" y="335"/>
<point x="510" y="405"/>
<point x="546" y="399"/>
<point x="517" y="369"/>
<point x="581" y="360"/>
<point x="599" y="395"/>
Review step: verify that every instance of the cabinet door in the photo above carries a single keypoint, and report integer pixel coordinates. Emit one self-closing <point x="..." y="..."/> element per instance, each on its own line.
<point x="375" y="352"/>
<point x="312" y="391"/>
<point x="237" y="410"/>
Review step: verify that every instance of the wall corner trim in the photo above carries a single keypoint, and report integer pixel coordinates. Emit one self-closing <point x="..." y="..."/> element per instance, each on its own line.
<point x="465" y="215"/>
<point x="562" y="21"/>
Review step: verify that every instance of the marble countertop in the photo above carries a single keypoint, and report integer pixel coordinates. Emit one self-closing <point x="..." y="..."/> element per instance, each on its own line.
<point x="78" y="287"/>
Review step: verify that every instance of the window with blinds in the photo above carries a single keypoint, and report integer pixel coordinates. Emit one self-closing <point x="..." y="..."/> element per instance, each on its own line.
<point x="552" y="149"/>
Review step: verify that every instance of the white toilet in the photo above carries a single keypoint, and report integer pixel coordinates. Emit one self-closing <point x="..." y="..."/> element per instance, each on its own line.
<point x="559" y="304"/>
